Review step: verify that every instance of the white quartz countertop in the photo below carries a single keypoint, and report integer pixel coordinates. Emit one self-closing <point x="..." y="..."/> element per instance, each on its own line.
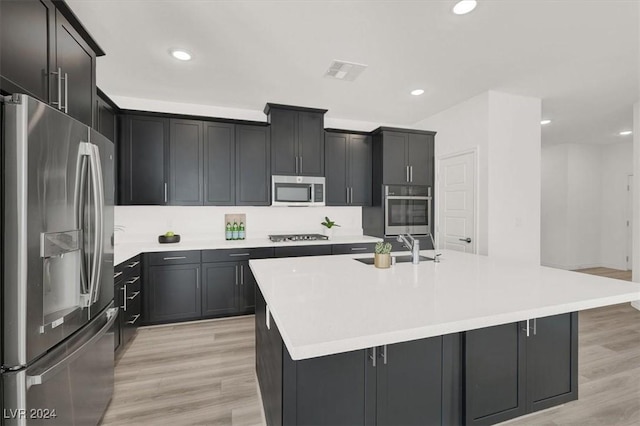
<point x="330" y="304"/>
<point x="124" y="251"/>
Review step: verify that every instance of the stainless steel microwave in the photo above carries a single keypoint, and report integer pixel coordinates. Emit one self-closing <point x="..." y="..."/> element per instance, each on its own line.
<point x="297" y="190"/>
<point x="407" y="210"/>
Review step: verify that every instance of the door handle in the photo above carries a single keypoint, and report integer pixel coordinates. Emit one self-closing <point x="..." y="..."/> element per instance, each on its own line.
<point x="410" y="173"/>
<point x="466" y="240"/>
<point x="58" y="74"/>
<point x="135" y="293"/>
<point x="165" y="192"/>
<point x="301" y="164"/>
<point x="351" y="195"/>
<point x="373" y="356"/>
<point x="236" y="270"/>
<point x="66" y="93"/>
<point x="174" y="257"/>
<point x="407" y="173"/>
<point x="241" y="274"/>
<point x="347" y="189"/>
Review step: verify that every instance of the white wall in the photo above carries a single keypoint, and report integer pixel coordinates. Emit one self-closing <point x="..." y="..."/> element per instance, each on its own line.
<point x="617" y="165"/>
<point x="554" y="216"/>
<point x="584" y="205"/>
<point x="144" y="223"/>
<point x="505" y="129"/>
<point x="636" y="197"/>
<point x="514" y="176"/>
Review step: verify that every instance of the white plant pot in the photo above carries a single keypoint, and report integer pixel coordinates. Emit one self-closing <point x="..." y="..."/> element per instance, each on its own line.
<point x="327" y="232"/>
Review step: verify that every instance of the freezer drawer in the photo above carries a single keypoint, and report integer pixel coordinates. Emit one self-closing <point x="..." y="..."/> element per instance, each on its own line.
<point x="72" y="385"/>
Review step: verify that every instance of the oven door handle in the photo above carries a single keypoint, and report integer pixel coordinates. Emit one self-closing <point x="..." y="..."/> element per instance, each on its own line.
<point x="407" y="197"/>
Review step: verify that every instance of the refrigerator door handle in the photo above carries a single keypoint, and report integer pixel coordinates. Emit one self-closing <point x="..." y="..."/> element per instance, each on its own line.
<point x="53" y="370"/>
<point x="99" y="227"/>
<point x="79" y="211"/>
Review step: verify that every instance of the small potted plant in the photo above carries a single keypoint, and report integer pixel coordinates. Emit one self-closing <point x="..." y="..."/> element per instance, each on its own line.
<point x="328" y="227"/>
<point x="382" y="256"/>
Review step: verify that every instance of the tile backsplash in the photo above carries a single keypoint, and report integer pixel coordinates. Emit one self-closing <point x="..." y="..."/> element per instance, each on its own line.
<point x="141" y="223"/>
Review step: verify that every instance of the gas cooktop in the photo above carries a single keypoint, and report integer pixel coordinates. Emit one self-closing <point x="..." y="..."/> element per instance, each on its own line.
<point x="297" y="237"/>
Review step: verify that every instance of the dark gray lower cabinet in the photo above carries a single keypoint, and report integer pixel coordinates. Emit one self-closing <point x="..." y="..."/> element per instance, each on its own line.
<point x="229" y="289"/>
<point x="514" y="369"/>
<point x="409" y="383"/>
<point x="300" y="251"/>
<point x="172" y="293"/>
<point x="402" y="384"/>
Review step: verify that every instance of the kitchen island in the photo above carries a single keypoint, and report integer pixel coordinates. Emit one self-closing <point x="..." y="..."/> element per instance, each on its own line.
<point x="469" y="340"/>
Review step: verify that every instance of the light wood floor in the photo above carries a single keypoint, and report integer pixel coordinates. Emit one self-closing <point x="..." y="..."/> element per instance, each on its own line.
<point x="607" y="272"/>
<point x="203" y="374"/>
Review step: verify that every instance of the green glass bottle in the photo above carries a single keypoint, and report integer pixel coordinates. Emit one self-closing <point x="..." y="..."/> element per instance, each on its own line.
<point x="227" y="232"/>
<point x="241" y="231"/>
<point x="235" y="231"/>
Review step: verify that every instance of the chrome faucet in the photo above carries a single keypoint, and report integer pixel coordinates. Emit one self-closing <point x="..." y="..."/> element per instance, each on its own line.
<point x="413" y="245"/>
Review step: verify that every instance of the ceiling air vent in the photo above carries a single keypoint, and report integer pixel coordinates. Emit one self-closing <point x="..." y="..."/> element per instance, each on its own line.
<point x="346" y="71"/>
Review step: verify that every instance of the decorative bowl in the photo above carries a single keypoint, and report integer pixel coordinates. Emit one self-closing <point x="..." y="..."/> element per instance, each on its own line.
<point x="163" y="239"/>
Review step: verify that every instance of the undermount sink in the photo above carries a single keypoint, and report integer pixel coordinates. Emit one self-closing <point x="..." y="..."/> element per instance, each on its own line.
<point x="399" y="259"/>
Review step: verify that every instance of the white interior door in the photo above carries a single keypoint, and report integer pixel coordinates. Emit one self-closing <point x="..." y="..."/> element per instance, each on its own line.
<point x="629" y="222"/>
<point x="457" y="200"/>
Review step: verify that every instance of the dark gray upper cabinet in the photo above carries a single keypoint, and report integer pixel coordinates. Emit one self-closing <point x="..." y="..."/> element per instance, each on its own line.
<point x="253" y="173"/>
<point x="220" y="164"/>
<point x="403" y="157"/>
<point x="27" y="30"/>
<point x="186" y="186"/>
<point x="77" y="63"/>
<point x="46" y="53"/>
<point x="297" y="140"/>
<point x="142" y="160"/>
<point x="348" y="169"/>
<point x="106" y="120"/>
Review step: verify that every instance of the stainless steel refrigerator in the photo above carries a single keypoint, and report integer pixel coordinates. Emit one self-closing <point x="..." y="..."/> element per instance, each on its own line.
<point x="57" y="267"/>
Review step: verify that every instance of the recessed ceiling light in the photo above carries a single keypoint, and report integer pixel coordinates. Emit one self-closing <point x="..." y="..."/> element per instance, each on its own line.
<point x="626" y="133"/>
<point x="417" y="92"/>
<point x="543" y="122"/>
<point x="464" y="7"/>
<point x="180" y="54"/>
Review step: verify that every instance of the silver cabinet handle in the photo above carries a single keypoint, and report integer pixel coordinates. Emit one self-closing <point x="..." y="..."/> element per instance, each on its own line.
<point x="241" y="274"/>
<point x="58" y="73"/>
<point x="198" y="277"/>
<point x="66" y="92"/>
<point x="165" y="192"/>
<point x="135" y="293"/>
<point x="296" y="164"/>
<point x="116" y="275"/>
<point x="133" y="280"/>
<point x="410" y="173"/>
<point x="135" y="318"/>
<point x="239" y="254"/>
<point x="124" y="298"/>
<point x="373" y="356"/>
<point x="535" y="326"/>
<point x="527" y="328"/>
<point x="236" y="269"/>
<point x="301" y="164"/>
<point x="384" y="354"/>
<point x="358" y="248"/>
<point x="407" y="173"/>
<point x="347" y="189"/>
<point x="351" y="194"/>
<point x="174" y="257"/>
<point x="134" y="264"/>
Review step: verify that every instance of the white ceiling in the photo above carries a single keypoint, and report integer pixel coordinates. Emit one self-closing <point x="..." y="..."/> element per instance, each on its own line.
<point x="580" y="57"/>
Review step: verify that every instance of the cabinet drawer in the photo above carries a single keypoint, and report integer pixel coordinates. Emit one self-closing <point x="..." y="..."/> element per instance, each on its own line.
<point x="353" y="248"/>
<point x="299" y="251"/>
<point x="174" y="257"/>
<point x="131" y="267"/>
<point x="234" y="255"/>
